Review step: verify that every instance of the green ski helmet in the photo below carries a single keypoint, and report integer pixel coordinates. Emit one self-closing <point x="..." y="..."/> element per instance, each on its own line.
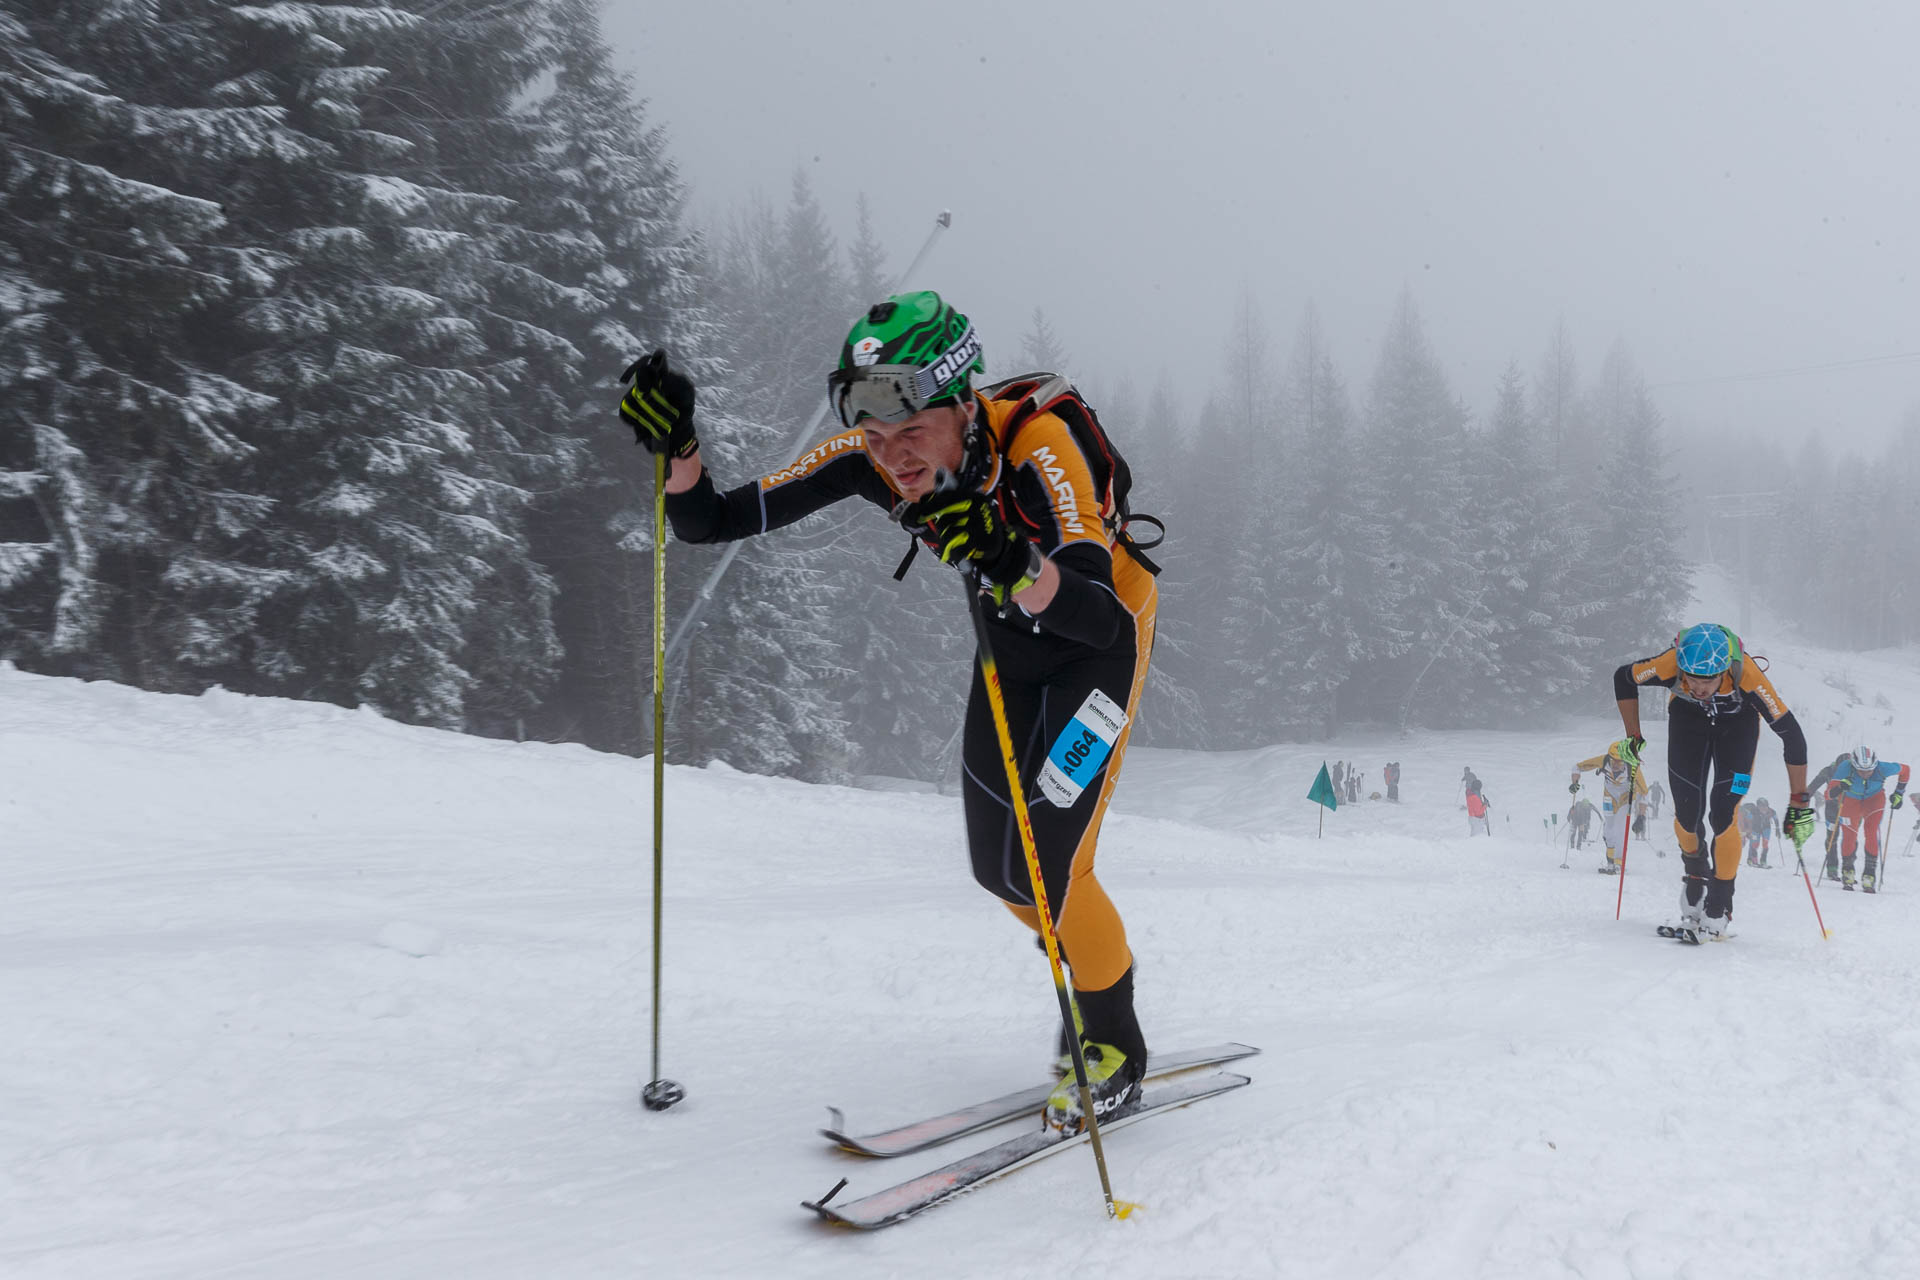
<point x="909" y="353"/>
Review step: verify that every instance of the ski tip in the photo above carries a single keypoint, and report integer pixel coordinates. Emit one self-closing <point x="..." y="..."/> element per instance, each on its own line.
<point x="820" y="1206"/>
<point x="828" y="1215"/>
<point x="836" y="1132"/>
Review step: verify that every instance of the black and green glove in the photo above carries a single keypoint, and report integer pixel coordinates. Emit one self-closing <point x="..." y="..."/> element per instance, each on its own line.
<point x="659" y="406"/>
<point x="1899" y="796"/>
<point x="1573" y="788"/>
<point x="1797" y="822"/>
<point x="1630" y="749"/>
<point x="968" y="533"/>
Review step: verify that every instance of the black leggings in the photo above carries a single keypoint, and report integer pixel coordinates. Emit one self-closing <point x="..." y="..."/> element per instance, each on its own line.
<point x="1038" y="709"/>
<point x="1699" y="747"/>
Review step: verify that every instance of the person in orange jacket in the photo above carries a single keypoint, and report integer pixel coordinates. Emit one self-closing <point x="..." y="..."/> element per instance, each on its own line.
<point x="1720" y="695"/>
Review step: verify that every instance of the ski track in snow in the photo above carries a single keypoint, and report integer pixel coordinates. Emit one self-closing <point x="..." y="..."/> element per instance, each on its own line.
<point x="295" y="991"/>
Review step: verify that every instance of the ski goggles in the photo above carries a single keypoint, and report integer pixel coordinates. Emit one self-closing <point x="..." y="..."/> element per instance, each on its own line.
<point x="895" y="392"/>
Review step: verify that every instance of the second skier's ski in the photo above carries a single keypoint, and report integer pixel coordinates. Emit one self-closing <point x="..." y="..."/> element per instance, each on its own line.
<point x="918" y="1136"/>
<point x="902" y="1201"/>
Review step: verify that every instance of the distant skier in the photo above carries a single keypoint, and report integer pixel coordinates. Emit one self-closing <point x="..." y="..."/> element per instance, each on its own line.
<point x="1713" y="721"/>
<point x="1477" y="811"/>
<point x="1829" y="801"/>
<point x="1006" y="492"/>
<point x="1353" y="785"/>
<point x="1857" y="779"/>
<point x="1757" y="825"/>
<point x="1579" y="817"/>
<point x="1615" y="780"/>
<point x="1656" y="795"/>
<point x="1391" y="776"/>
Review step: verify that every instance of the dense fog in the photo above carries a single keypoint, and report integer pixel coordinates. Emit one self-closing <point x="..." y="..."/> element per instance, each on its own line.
<point x="1446" y="349"/>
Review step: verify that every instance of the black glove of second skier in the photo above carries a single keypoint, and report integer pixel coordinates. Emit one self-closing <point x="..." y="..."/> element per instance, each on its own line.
<point x="659" y="406"/>
<point x="1898" y="797"/>
<point x="1573" y="788"/>
<point x="967" y="532"/>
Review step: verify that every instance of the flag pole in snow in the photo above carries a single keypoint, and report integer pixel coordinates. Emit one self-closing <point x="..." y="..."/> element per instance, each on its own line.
<point x="1321" y="793"/>
<point x="659" y="1093"/>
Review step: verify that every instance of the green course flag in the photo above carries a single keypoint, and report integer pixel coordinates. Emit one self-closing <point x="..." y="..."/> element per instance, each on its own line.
<point x="1322" y="791"/>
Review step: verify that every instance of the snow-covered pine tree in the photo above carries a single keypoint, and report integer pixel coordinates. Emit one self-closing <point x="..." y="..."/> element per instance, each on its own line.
<point x="1415" y="447"/>
<point x="1230" y="494"/>
<point x="1643" y="581"/>
<point x="1531" y="560"/>
<point x="1040" y="348"/>
<point x="1158" y="447"/>
<point x="400" y="488"/>
<point x="867" y="276"/>
<point x="1330" y="612"/>
<point x="762" y="664"/>
<point x="458" y="92"/>
<point x="1557" y="393"/>
<point x="639" y="281"/>
<point x="128" y="521"/>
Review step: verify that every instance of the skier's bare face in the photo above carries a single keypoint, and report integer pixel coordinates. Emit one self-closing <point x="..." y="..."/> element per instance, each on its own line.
<point x="913" y="451"/>
<point x="1700" y="686"/>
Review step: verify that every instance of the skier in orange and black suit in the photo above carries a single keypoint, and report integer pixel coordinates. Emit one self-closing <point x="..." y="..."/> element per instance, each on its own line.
<point x="1713" y="727"/>
<point x="997" y="483"/>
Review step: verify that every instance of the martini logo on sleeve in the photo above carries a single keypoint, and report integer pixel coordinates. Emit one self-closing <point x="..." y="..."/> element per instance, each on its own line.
<point x="1064" y="502"/>
<point x="1082" y="749"/>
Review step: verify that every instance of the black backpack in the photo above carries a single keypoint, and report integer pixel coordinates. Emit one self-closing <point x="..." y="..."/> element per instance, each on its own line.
<point x="1033" y="394"/>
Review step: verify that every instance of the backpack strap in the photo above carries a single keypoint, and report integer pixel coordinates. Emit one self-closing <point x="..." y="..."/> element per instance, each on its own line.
<point x="906" y="561"/>
<point x="1037" y="393"/>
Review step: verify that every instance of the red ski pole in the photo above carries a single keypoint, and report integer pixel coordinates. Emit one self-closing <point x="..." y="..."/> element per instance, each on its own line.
<point x="1810" y="895"/>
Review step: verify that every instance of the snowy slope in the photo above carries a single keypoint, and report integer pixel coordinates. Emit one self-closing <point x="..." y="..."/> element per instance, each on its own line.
<point x="295" y="991"/>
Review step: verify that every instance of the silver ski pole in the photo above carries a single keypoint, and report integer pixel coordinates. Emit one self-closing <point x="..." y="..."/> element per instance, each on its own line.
<point x="702" y="598"/>
<point x="659" y="1093"/>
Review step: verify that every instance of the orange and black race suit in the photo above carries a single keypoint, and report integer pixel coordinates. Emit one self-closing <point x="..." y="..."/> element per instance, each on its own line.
<point x="1711" y="744"/>
<point x="1097" y="633"/>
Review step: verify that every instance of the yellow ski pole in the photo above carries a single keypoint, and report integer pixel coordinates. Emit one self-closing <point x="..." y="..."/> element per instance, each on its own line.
<point x="659" y="1094"/>
<point x="1017" y="796"/>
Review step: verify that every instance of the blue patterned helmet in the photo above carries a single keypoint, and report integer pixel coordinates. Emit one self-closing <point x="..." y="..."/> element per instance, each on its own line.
<point x="1705" y="649"/>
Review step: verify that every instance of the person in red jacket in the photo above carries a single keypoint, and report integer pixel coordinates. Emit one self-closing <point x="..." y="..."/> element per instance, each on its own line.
<point x="1856" y="780"/>
<point x="1477" y="809"/>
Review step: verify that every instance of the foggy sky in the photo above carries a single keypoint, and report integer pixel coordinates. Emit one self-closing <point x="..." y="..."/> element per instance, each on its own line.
<point x="1726" y="188"/>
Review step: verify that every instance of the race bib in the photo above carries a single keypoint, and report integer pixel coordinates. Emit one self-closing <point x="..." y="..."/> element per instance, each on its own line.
<point x="1082" y="748"/>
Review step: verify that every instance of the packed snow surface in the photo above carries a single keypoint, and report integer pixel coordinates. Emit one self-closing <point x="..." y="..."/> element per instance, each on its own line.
<point x="294" y="991"/>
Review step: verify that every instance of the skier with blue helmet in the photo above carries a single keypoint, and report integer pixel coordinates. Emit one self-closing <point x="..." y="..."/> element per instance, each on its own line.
<point x="1713" y="731"/>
